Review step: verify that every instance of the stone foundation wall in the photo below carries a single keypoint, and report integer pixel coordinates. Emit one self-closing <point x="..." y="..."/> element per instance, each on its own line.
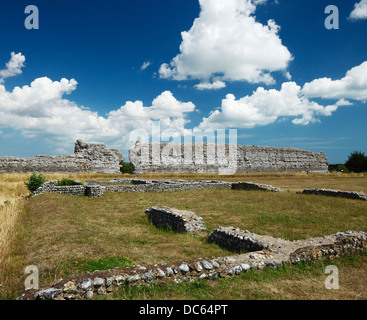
<point x="166" y="186"/>
<point x="336" y="193"/>
<point x="178" y="220"/>
<point x="254" y="186"/>
<point x="97" y="188"/>
<point x="236" y="240"/>
<point x="279" y="252"/>
<point x="94" y="188"/>
<point x="78" y="190"/>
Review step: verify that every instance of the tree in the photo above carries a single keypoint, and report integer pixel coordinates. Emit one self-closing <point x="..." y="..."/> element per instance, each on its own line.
<point x="357" y="162"/>
<point x="126" y="167"/>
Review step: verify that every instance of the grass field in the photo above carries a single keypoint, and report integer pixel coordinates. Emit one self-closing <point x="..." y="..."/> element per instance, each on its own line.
<point x="63" y="235"/>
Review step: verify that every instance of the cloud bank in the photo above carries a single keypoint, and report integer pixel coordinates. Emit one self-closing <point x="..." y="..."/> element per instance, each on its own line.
<point x="41" y="109"/>
<point x="264" y="107"/>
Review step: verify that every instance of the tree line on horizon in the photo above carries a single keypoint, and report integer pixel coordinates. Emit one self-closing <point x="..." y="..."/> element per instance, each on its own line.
<point x="356" y="162"/>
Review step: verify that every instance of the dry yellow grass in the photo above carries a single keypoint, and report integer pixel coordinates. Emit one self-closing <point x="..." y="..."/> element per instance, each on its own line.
<point x="13" y="192"/>
<point x="12" y="196"/>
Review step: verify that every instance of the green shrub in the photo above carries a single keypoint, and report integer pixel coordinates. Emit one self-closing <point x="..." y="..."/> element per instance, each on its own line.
<point x="35" y="181"/>
<point x="126" y="167"/>
<point x="67" y="182"/>
<point x="342" y="168"/>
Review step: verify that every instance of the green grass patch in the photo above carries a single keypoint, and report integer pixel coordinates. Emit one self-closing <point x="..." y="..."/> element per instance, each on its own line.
<point x="104" y="263"/>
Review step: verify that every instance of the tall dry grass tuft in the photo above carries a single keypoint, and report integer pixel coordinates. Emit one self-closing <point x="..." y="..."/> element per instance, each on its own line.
<point x="12" y="194"/>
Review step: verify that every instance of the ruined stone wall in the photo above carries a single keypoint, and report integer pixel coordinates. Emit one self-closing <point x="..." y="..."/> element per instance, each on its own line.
<point x="336" y="193"/>
<point x="212" y="158"/>
<point x="76" y="190"/>
<point x="166" y="187"/>
<point x="178" y="220"/>
<point x="236" y="240"/>
<point x="87" y="157"/>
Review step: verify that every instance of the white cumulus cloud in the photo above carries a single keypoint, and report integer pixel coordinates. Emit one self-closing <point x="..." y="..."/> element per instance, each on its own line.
<point x="264" y="107"/>
<point x="13" y="67"/>
<point x="360" y="11"/>
<point x="226" y="42"/>
<point x="210" y="86"/>
<point x="352" y="86"/>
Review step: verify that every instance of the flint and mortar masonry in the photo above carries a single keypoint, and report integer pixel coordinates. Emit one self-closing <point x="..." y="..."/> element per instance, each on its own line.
<point x="236" y="240"/>
<point x="205" y="158"/>
<point x="179" y="220"/>
<point x="97" y="188"/>
<point x="78" y="190"/>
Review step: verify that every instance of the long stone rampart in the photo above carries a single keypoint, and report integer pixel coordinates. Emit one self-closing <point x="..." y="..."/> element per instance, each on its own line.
<point x="212" y="158"/>
<point x="87" y="157"/>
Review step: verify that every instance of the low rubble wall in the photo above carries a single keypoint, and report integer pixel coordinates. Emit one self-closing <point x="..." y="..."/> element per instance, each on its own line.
<point x="77" y="190"/>
<point x="336" y="193"/>
<point x="139" y="185"/>
<point x="179" y="220"/>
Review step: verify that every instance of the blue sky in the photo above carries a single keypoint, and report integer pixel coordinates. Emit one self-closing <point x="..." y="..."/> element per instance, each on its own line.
<point x="98" y="70"/>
